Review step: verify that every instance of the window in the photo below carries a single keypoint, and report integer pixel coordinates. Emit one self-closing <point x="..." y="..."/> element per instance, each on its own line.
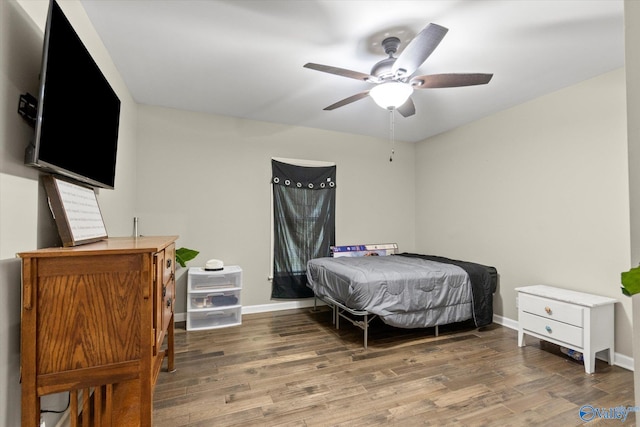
<point x="303" y="223"/>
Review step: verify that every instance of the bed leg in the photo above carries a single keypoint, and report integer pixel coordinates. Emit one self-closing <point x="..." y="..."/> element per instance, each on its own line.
<point x="366" y="330"/>
<point x="315" y="304"/>
<point x="436" y="330"/>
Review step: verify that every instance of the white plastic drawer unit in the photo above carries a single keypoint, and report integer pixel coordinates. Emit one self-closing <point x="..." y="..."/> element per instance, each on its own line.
<point x="213" y="298"/>
<point x="580" y="321"/>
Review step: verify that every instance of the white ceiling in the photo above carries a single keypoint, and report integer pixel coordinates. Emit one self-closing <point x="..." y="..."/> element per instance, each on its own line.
<point x="245" y="58"/>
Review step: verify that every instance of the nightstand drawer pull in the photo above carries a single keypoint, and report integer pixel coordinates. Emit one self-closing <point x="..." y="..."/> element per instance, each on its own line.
<point x="547" y="309"/>
<point x="548" y="328"/>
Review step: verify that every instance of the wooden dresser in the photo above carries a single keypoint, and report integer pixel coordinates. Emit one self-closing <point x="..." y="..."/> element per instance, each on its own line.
<point x="94" y="319"/>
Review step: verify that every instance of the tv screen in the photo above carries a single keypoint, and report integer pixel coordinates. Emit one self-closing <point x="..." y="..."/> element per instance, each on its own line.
<point x="78" y="113"/>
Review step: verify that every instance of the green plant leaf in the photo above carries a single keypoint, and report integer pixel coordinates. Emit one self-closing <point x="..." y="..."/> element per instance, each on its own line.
<point x="631" y="281"/>
<point x="185" y="254"/>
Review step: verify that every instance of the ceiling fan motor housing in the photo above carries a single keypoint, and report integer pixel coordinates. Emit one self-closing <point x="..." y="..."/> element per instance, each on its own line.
<point x="382" y="69"/>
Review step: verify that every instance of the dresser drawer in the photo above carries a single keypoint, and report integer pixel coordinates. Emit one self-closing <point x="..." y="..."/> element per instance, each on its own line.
<point x="552" y="329"/>
<point x="552" y="309"/>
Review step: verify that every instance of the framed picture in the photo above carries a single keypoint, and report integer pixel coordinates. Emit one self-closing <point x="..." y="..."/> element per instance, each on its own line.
<point x="76" y="211"/>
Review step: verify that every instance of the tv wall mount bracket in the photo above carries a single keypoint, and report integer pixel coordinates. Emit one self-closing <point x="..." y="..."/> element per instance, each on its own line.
<point x="28" y="108"/>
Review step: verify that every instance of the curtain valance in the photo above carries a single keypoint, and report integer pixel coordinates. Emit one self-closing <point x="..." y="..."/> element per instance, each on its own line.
<point x="294" y="176"/>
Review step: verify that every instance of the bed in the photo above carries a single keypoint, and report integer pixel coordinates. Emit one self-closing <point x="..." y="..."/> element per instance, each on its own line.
<point x="405" y="290"/>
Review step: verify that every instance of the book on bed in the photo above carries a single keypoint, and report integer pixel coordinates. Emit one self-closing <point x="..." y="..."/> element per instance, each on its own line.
<point x="382" y="249"/>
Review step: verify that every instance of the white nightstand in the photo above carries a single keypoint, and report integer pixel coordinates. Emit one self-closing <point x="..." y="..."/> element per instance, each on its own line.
<point x="577" y="320"/>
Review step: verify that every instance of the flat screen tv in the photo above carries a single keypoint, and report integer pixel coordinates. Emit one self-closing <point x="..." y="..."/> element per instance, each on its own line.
<point x="78" y="112"/>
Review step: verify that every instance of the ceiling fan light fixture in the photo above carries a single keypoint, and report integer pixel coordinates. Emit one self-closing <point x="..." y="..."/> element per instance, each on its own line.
<point x="391" y="95"/>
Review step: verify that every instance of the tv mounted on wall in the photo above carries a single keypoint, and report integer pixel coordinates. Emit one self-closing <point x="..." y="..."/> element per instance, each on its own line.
<point x="78" y="112"/>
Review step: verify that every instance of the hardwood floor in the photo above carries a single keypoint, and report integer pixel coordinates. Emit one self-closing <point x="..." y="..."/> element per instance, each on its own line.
<point x="293" y="368"/>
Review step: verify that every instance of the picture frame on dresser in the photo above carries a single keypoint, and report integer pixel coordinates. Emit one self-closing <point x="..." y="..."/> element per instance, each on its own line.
<point x="75" y="210"/>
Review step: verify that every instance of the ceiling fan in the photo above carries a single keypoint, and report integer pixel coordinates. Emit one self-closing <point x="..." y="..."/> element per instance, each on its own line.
<point x="393" y="77"/>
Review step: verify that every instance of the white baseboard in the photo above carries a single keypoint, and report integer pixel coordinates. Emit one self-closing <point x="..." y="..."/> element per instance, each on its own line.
<point x="264" y="308"/>
<point x="620" y="360"/>
<point x="289" y="305"/>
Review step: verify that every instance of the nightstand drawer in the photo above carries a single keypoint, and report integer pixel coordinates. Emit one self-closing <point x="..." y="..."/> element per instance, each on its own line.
<point x="553" y="310"/>
<point x="558" y="331"/>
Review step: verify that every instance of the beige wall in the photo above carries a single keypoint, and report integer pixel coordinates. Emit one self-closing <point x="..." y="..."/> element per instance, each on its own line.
<point x="540" y="191"/>
<point x="206" y="178"/>
<point x="25" y="221"/>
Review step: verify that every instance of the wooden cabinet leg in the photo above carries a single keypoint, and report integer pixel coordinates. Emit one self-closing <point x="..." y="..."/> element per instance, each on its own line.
<point x="30" y="409"/>
<point x="171" y="346"/>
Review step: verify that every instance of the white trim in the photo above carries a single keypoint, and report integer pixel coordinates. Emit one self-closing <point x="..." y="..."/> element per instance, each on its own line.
<point x="511" y="324"/>
<point x="289" y="305"/>
<point x="271" y="254"/>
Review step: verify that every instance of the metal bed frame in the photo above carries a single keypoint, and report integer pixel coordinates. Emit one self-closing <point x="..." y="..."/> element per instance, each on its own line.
<point x="338" y="310"/>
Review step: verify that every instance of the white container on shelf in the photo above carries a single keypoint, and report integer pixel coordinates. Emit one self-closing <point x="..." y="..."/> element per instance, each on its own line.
<point x="213" y="298"/>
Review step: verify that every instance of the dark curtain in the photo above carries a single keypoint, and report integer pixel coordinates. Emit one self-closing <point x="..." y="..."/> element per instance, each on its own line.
<point x="304" y="224"/>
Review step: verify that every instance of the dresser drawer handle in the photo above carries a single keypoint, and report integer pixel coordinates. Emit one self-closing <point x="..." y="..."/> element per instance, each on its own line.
<point x="547" y="309"/>
<point x="548" y="328"/>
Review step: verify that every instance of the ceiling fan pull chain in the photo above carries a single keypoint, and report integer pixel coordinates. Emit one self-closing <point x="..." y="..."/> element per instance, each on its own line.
<point x="392" y="138"/>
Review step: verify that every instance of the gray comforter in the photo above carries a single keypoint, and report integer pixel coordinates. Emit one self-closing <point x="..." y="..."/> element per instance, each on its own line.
<point x="407" y="292"/>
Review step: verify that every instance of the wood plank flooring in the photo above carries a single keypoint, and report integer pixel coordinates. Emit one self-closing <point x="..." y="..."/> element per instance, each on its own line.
<point x="293" y="368"/>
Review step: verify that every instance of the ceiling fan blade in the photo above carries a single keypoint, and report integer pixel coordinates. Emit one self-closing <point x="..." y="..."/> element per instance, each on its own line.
<point x="407" y="109"/>
<point x="341" y="72"/>
<point x="348" y="100"/>
<point x="418" y="50"/>
<point x="450" y="80"/>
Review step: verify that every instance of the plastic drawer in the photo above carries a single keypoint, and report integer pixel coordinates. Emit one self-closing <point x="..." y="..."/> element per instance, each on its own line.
<point x="212" y="299"/>
<point x="210" y="319"/>
<point x="202" y="280"/>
